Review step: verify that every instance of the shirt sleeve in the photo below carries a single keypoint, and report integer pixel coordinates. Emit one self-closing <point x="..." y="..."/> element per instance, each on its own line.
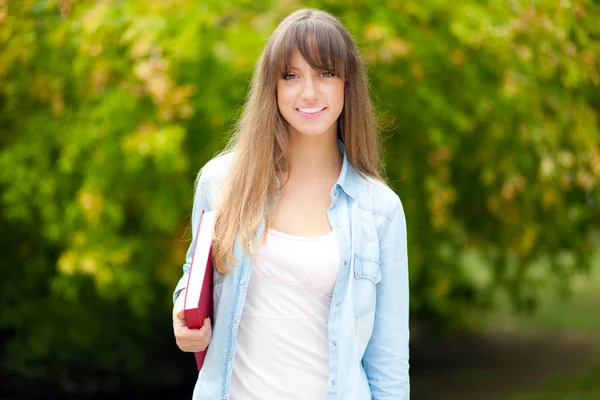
<point x="386" y="359"/>
<point x="199" y="205"/>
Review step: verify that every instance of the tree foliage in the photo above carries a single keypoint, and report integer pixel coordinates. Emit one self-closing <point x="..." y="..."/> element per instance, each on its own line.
<point x="489" y="115"/>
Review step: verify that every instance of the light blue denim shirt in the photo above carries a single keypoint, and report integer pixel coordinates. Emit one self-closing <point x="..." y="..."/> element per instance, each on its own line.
<point x="368" y="319"/>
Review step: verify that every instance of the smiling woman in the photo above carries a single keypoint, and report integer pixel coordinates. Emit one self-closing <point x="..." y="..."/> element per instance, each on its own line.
<point x="311" y="268"/>
<point x="311" y="100"/>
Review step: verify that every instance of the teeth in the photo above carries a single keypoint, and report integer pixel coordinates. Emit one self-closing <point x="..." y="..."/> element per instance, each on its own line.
<point x="311" y="110"/>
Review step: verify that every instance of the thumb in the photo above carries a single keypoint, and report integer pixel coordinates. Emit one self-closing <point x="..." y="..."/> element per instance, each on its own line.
<point x="181" y="314"/>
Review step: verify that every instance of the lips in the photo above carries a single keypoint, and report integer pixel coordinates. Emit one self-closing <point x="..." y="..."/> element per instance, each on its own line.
<point x="311" y="110"/>
<point x="311" y="113"/>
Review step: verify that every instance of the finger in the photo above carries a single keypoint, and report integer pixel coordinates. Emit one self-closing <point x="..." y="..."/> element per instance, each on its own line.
<point x="179" y="323"/>
<point x="208" y="327"/>
<point x="187" y="345"/>
<point x="195" y="333"/>
<point x="204" y="332"/>
<point x="193" y="348"/>
<point x="192" y="335"/>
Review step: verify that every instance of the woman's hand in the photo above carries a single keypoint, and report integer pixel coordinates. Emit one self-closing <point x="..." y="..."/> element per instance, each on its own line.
<point x="189" y="340"/>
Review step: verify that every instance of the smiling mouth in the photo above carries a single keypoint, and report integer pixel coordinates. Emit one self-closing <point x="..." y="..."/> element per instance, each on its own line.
<point x="311" y="110"/>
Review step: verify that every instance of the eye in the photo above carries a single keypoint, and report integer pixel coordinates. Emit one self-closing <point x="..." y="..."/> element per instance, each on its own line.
<point x="327" y="74"/>
<point x="289" y="77"/>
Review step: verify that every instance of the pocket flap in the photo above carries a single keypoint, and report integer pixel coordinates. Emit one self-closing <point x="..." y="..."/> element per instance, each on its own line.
<point x="367" y="269"/>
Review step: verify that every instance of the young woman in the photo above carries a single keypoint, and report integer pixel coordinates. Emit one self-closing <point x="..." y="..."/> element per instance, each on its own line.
<point x="311" y="269"/>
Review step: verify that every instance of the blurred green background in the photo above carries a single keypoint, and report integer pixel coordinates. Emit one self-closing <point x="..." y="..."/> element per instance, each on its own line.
<point x="489" y="119"/>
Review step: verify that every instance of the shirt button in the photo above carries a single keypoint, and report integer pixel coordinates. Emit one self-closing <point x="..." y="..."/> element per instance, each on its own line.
<point x="345" y="262"/>
<point x="334" y="343"/>
<point x="229" y="357"/>
<point x="234" y="320"/>
<point x="337" y="303"/>
<point x="242" y="282"/>
<point x="332" y="383"/>
<point x="337" y="226"/>
<point x="224" y="395"/>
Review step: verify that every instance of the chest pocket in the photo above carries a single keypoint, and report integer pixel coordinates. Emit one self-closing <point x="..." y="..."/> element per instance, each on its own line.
<point x="367" y="275"/>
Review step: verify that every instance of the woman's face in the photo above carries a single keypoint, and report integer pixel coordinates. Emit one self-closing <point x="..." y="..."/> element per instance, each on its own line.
<point x="310" y="100"/>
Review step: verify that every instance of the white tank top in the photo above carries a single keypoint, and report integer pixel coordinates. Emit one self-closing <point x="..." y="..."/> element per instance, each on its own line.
<point x="282" y="348"/>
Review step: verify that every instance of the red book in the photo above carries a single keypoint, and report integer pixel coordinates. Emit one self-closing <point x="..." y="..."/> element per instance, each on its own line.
<point x="198" y="297"/>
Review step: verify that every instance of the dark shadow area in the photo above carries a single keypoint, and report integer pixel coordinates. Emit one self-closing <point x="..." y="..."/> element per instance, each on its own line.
<point x="484" y="368"/>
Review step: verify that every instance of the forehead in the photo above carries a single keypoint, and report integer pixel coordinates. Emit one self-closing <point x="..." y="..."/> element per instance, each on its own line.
<point x="316" y="43"/>
<point x="297" y="61"/>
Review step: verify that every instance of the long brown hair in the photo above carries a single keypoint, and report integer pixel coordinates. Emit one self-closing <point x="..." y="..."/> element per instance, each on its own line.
<point x="260" y="142"/>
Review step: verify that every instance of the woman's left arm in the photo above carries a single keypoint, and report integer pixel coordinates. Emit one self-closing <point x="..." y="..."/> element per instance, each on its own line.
<point x="386" y="357"/>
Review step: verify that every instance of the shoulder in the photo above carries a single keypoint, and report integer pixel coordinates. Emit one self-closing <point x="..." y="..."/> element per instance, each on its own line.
<point x="216" y="169"/>
<point x="378" y="208"/>
<point x="210" y="177"/>
<point x="377" y="197"/>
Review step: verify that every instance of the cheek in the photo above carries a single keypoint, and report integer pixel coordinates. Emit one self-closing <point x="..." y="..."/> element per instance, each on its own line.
<point x="283" y="98"/>
<point x="339" y="96"/>
<point x="284" y="103"/>
<point x="284" y="92"/>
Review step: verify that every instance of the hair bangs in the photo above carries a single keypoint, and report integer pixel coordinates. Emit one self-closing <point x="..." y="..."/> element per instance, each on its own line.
<point x="319" y="42"/>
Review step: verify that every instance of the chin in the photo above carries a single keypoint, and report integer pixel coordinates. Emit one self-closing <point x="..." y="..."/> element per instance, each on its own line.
<point x="312" y="131"/>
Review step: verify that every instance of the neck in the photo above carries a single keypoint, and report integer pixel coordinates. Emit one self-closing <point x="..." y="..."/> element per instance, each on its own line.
<point x="314" y="156"/>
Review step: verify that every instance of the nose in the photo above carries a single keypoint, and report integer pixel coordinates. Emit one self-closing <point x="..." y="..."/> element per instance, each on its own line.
<point x="309" y="90"/>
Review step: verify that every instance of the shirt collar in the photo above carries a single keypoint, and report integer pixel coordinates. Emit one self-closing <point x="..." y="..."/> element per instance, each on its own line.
<point x="348" y="177"/>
